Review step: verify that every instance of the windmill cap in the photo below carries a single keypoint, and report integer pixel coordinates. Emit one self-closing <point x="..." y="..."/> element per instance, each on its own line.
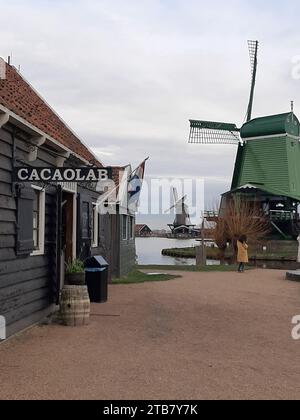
<point x="272" y="125"/>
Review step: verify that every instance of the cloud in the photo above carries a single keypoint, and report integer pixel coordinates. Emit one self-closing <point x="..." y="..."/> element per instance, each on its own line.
<point x="127" y="75"/>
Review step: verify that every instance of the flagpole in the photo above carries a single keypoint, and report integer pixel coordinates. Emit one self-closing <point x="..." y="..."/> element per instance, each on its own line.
<point x="115" y="188"/>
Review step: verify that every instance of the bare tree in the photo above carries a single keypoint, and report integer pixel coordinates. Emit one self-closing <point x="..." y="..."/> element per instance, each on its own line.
<point x="240" y="217"/>
<point x="219" y="235"/>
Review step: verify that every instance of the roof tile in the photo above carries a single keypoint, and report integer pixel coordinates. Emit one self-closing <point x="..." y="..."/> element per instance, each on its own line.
<point x="18" y="96"/>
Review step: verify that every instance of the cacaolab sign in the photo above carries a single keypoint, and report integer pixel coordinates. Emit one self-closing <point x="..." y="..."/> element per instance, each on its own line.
<point x="27" y="174"/>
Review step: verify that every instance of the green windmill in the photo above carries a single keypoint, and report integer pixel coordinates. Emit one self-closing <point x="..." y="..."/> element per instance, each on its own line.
<point x="267" y="170"/>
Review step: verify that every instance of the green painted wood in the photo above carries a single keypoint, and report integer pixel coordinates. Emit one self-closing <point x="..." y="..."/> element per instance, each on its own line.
<point x="270" y="160"/>
<point x="271" y="125"/>
<point x="213" y="125"/>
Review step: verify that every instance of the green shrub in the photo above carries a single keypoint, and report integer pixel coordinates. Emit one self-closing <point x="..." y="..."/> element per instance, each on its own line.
<point x="75" y="266"/>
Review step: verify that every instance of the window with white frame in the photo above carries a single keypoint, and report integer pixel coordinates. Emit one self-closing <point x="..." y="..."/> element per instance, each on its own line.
<point x="124" y="227"/>
<point x="95" y="227"/>
<point x="38" y="221"/>
<point x="130" y="227"/>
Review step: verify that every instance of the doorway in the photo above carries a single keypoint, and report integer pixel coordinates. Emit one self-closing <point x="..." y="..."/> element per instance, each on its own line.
<point x="68" y="250"/>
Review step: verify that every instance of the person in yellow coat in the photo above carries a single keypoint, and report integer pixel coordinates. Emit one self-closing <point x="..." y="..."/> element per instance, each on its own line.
<point x="242" y="256"/>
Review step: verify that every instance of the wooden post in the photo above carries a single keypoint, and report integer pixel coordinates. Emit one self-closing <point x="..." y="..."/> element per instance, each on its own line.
<point x="201" y="250"/>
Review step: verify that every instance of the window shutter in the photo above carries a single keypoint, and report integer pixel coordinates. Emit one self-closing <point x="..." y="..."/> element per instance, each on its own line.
<point x="85" y="213"/>
<point x="25" y="244"/>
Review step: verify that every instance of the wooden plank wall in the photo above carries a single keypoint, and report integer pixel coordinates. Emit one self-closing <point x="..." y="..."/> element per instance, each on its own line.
<point x="25" y="283"/>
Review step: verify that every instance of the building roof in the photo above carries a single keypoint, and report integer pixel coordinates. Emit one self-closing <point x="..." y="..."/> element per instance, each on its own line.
<point x="18" y="96"/>
<point x="264" y="188"/>
<point x="139" y="227"/>
<point x="272" y="125"/>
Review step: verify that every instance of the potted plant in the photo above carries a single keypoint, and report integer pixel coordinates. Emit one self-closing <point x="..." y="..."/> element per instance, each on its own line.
<point x="75" y="274"/>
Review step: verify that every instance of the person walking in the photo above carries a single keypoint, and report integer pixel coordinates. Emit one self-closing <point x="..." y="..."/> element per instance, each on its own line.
<point x="242" y="256"/>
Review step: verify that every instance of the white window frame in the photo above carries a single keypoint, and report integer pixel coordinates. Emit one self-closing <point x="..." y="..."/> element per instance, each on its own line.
<point x="125" y="217"/>
<point x="131" y="231"/>
<point x="95" y="231"/>
<point x="42" y="214"/>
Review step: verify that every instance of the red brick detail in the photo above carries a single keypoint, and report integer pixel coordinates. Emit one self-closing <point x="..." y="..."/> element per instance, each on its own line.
<point x="19" y="97"/>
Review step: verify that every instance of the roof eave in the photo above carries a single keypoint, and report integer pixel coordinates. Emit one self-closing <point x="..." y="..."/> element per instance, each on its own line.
<point x="38" y="136"/>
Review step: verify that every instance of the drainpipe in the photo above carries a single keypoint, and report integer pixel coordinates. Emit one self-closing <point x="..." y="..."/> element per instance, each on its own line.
<point x="14" y="153"/>
<point x="58" y="242"/>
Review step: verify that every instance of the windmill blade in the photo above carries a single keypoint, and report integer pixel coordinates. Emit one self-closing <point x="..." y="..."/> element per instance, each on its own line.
<point x="171" y="208"/>
<point x="175" y="195"/>
<point x="177" y="203"/>
<point x="212" y="132"/>
<point x="253" y="52"/>
<point x="181" y="200"/>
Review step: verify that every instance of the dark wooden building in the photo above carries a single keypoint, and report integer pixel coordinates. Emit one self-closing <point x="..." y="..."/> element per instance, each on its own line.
<point x="44" y="225"/>
<point x="142" y="230"/>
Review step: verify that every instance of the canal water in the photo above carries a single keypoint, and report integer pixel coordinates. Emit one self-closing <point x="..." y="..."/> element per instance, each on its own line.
<point x="149" y="251"/>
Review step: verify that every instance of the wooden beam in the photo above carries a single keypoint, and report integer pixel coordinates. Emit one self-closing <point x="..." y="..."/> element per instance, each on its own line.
<point x="60" y="160"/>
<point x="38" y="140"/>
<point x="4" y="118"/>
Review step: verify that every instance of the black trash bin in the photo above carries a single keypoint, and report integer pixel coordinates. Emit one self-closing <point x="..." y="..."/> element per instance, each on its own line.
<point x="96" y="278"/>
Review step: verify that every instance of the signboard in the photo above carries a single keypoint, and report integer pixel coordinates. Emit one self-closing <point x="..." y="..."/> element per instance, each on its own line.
<point x="58" y="175"/>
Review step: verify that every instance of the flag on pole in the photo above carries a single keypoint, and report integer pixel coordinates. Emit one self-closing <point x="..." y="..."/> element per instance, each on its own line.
<point x="135" y="183"/>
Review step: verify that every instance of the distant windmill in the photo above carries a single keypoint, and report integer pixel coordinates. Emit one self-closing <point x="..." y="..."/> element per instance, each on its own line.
<point x="182" y="223"/>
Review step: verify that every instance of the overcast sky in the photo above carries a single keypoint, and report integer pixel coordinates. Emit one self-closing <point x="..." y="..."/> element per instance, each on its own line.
<point x="127" y="75"/>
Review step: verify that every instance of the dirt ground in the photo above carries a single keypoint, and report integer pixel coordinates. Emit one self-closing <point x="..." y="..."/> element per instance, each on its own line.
<point x="203" y="336"/>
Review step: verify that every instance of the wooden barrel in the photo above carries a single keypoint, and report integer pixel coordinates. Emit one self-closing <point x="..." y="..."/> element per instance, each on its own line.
<point x="75" y="305"/>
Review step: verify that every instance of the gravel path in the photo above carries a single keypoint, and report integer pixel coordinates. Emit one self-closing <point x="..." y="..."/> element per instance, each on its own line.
<point x="203" y="336"/>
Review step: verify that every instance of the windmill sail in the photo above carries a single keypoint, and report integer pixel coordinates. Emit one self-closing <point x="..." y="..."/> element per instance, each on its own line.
<point x="253" y="50"/>
<point x="212" y="132"/>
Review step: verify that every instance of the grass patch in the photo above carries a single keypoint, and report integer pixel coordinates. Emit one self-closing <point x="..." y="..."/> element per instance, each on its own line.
<point x="192" y="268"/>
<point x="137" y="276"/>
<point x="214" y="254"/>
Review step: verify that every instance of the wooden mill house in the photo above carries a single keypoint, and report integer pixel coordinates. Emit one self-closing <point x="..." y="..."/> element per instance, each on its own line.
<point x="42" y="226"/>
